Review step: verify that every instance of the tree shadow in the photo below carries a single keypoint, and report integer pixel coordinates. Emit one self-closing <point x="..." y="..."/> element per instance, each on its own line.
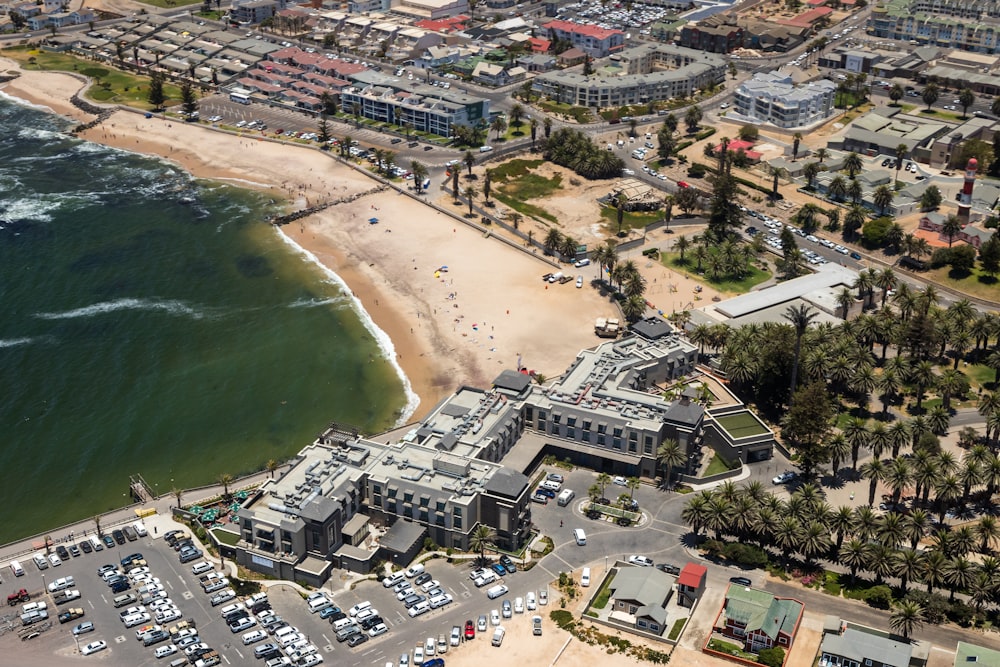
<point x="988" y="280"/>
<point x="959" y="274"/>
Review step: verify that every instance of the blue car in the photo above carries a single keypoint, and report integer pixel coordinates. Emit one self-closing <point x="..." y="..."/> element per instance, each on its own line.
<point x="545" y="492"/>
<point x="499" y="569"/>
<point x="328" y="612"/>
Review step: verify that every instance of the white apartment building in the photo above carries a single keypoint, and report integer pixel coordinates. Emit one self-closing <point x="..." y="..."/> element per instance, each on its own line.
<point x="771" y="97"/>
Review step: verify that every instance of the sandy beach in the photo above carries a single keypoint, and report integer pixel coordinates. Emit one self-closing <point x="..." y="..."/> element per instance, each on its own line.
<point x="462" y="325"/>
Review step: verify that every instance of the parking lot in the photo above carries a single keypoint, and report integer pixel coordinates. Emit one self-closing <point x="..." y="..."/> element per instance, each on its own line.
<point x="57" y="644"/>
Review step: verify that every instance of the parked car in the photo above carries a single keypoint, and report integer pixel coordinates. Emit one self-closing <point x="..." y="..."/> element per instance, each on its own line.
<point x="740" y="581"/>
<point x="784" y="478"/>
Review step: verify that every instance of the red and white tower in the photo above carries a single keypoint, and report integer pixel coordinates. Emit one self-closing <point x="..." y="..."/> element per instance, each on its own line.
<point x="965" y="199"/>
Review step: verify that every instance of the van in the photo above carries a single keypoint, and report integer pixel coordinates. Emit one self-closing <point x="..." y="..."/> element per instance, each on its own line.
<point x="254" y="636"/>
<point x="123" y="600"/>
<point x="497" y="591"/>
<point x="498" y="635"/>
<point x="551" y="485"/>
<point x="341" y="624"/>
<point x="316" y="604"/>
<point x="41" y="605"/>
<point x="393" y="579"/>
<point x="140" y="529"/>
<point x="33" y="617"/>
<point x="565" y="498"/>
<point x="585" y="578"/>
<point x="580" y="537"/>
<point x="16" y="568"/>
<point x="556" y="277"/>
<point x="485" y="149"/>
<point x="414" y="570"/>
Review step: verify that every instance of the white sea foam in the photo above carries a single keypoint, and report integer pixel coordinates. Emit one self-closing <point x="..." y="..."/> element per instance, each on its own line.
<point x="39" y="133"/>
<point x="170" y="306"/>
<point x="14" y="210"/>
<point x="381" y="337"/>
<point x="14" y="342"/>
<point x="24" y="103"/>
<point x="313" y="303"/>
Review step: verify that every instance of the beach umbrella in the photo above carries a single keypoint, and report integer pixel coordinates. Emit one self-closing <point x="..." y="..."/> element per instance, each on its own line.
<point x="373" y="221"/>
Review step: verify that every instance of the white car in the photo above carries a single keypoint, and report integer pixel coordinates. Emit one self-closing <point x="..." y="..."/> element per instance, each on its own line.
<point x="418" y="655"/>
<point x="530" y="601"/>
<point x="456" y="635"/>
<point x="519" y="605"/>
<point x="55" y="560"/>
<point x="94" y="647"/>
<point x="641" y="561"/>
<point x="784" y="478"/>
<point x="543" y="597"/>
<point x="366" y="613"/>
<point x="378" y="629"/>
<point x="430" y="585"/>
<point x="358" y="608"/>
<point x="164" y="651"/>
<point x="494" y="618"/>
<point x="579" y="282"/>
<point x="202" y="567"/>
<point x="620" y="481"/>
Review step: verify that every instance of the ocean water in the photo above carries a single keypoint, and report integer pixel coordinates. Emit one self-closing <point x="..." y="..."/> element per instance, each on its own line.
<point x="155" y="324"/>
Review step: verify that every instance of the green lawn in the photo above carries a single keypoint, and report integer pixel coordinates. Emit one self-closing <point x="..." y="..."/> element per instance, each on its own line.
<point x="630" y="219"/>
<point x="741" y="425"/>
<point x="524" y="208"/>
<point x="980" y="374"/>
<point x="580" y="114"/>
<point x="675" y="631"/>
<point x="716" y="465"/>
<point x="111" y="85"/>
<point x="722" y="283"/>
<point x="515" y="184"/>
<point x="601" y="600"/>
<point x="226" y="537"/>
<point x="976" y="284"/>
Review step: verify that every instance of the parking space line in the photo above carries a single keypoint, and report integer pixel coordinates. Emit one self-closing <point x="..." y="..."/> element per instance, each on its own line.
<point x="325" y="638"/>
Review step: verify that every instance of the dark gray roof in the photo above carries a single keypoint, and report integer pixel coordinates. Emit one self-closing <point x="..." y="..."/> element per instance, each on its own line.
<point x="652" y="328"/>
<point x="684" y="412"/>
<point x="454" y="410"/>
<point x="402" y="535"/>
<point x="858" y="646"/>
<point x="512" y="381"/>
<point x="319" y="509"/>
<point x="507" y="483"/>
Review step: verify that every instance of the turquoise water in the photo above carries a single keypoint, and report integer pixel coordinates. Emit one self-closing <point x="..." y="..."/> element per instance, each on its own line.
<point x="154" y="324"/>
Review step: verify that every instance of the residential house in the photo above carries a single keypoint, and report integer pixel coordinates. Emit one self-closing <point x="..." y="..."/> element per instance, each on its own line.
<point x="850" y="645"/>
<point x="438" y="56"/>
<point x="571" y="57"/>
<point x="759" y="619"/>
<point x="717" y="34"/>
<point x="490" y="74"/>
<point x="691" y="584"/>
<point x="970" y="233"/>
<point x="537" y="62"/>
<point x="639" y="597"/>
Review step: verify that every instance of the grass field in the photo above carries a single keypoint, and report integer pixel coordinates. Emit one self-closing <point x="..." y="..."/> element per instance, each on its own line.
<point x="514" y="184"/>
<point x="110" y="85"/>
<point x="630" y="220"/>
<point x="716" y="466"/>
<point x="723" y="283"/>
<point x="741" y="425"/>
<point x="166" y="4"/>
<point x="580" y="114"/>
<point x="976" y="284"/>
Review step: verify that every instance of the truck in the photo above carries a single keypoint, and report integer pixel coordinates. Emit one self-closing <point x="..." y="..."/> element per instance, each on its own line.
<point x="62" y="597"/>
<point x="209" y="659"/>
<point x="607" y="327"/>
<point x="71" y="615"/>
<point x="17" y="598"/>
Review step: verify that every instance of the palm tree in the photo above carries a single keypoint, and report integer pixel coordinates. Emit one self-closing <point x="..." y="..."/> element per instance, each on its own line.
<point x="603" y="480"/>
<point x="882" y="198"/>
<point x="966" y="98"/>
<point x="632" y="483"/>
<point x="800" y="317"/>
<point x="922" y="375"/>
<point x="482" y="538"/>
<point x="796" y="139"/>
<point x="681" y="244"/>
<point x="951" y="227"/>
<point x="695" y="513"/>
<point x="901" y="150"/>
<point x="845" y="299"/>
<point x="670" y="455"/>
<point x="270" y="466"/>
<point x="907" y="564"/>
<point x="810" y="171"/>
<point x="874" y="471"/>
<point x="470" y="160"/>
<point x="822" y="154"/>
<point x="854" y="556"/>
<point x="906" y="617"/>
<point x="225" y="479"/>
<point x="837" y="188"/>
<point x="853" y="164"/>
<point x="176" y="493"/>
<point x="959" y="573"/>
<point x="470" y="197"/>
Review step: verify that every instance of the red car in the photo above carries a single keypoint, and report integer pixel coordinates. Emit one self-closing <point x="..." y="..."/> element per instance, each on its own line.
<point x="470" y="629"/>
<point x="682" y="184"/>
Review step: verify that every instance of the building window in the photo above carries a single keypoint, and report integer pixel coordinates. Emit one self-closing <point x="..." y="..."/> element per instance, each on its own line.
<point x="556" y="417"/>
<point x="408" y="511"/>
<point x="571" y="433"/>
<point x="570" y="421"/>
<point x="439" y="506"/>
<point x="425" y="501"/>
<point x="456" y="523"/>
<point x="408" y="496"/>
<point x="457" y="511"/>
<point x="393" y="491"/>
<point x="376" y="488"/>
<point x="640" y="623"/>
<point x="423" y="515"/>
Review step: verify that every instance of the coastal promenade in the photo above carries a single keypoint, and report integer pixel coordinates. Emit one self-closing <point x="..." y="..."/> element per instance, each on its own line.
<point x="162" y="505"/>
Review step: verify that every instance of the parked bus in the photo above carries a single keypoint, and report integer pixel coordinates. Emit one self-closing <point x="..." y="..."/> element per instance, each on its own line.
<point x="240" y="97"/>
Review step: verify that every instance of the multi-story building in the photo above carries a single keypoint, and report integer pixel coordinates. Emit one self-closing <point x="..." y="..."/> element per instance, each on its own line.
<point x="299" y="526"/>
<point x="715" y="34"/>
<point x="595" y="41"/>
<point x="464" y="464"/>
<point x="648" y="73"/>
<point x="771" y="97"/>
<point x="957" y="24"/>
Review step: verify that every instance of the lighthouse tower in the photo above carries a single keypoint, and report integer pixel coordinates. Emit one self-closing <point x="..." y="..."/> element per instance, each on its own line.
<point x="965" y="199"/>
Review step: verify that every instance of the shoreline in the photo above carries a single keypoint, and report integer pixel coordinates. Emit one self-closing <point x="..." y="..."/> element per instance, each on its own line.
<point x="454" y="307"/>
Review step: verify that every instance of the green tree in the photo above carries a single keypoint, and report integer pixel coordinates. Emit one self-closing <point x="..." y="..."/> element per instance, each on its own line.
<point x="896" y="93"/>
<point x="930" y="94"/>
<point x="810" y="171"/>
<point x="806" y="426"/>
<point x="800" y="317"/>
<point x="951" y="226"/>
<point x="772" y="657"/>
<point x="323" y="132"/>
<point x="966" y="98"/>
<point x="796" y="140"/>
<point x="930" y="199"/>
<point x="882" y="198"/>
<point x="482" y="538"/>
<point x="692" y="118"/>
<point x="156" y="95"/>
<point x="989" y="256"/>
<point x="670" y="455"/>
<point x="853" y="164"/>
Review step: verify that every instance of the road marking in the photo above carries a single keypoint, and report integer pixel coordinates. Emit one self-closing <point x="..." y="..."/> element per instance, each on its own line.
<point x="91" y="604"/>
<point x="167" y="582"/>
<point x="226" y="659"/>
<point x="238" y="653"/>
<point x="326" y="639"/>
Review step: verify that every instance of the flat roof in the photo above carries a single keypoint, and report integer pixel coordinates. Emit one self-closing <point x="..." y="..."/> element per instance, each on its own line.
<point x="828" y="275"/>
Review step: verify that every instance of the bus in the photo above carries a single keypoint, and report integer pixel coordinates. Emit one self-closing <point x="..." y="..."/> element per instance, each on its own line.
<point x="240" y="96"/>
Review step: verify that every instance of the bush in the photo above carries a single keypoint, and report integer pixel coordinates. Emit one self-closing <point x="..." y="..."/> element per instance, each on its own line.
<point x="697" y="170"/>
<point x="879" y="597"/>
<point x="772" y="657"/>
<point x="746" y="555"/>
<point x="935" y="605"/>
<point x="961" y="257"/>
<point x="704" y="134"/>
<point x="562" y="618"/>
<point x="875" y="231"/>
